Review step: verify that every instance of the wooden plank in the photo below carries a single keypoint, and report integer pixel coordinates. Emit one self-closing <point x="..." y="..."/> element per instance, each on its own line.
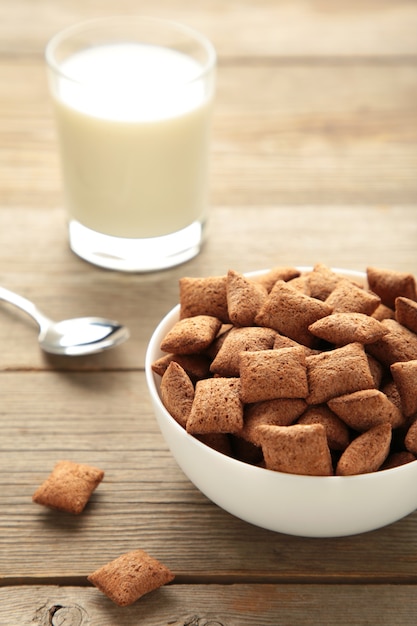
<point x="216" y="605"/>
<point x="82" y="289"/>
<point x="281" y="135"/>
<point x="36" y="262"/>
<point x="314" y="154"/>
<point x="316" y="28"/>
<point x="145" y="501"/>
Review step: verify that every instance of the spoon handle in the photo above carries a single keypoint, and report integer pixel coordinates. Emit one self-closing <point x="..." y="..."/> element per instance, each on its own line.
<point x="24" y="304"/>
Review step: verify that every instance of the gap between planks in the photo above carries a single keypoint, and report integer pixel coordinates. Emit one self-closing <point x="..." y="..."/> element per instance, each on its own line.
<point x="222" y="579"/>
<point x="225" y="60"/>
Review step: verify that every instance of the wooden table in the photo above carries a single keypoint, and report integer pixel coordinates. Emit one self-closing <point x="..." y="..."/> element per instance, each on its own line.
<point x="313" y="159"/>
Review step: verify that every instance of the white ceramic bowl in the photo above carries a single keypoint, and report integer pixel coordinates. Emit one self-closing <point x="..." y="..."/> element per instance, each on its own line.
<point x="310" y="506"/>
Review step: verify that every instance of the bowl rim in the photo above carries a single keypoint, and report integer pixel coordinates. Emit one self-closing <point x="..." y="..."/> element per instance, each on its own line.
<point x="153" y="349"/>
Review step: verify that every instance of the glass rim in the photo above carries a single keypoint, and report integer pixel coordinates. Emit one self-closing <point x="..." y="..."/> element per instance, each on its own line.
<point x="79" y="27"/>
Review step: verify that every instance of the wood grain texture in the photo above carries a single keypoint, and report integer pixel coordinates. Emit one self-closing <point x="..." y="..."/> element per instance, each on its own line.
<point x="314" y="156"/>
<point x="145" y="501"/>
<point x="235" y="605"/>
<point x="33" y="246"/>
<point x="238" y="28"/>
<point x="295" y="134"/>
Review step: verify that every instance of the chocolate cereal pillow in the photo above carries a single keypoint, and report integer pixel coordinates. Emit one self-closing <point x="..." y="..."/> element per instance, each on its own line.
<point x="68" y="487"/>
<point x="130" y="576"/>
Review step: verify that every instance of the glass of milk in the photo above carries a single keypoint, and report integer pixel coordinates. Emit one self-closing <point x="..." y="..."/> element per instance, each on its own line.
<point x="133" y="99"/>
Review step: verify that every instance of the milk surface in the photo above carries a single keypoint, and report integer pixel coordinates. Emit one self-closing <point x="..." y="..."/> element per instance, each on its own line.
<point x="134" y="133"/>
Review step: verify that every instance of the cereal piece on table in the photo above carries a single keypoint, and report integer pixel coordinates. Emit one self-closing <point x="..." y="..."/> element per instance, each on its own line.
<point x="297" y="449"/>
<point x="177" y="393"/>
<point x="390" y="284"/>
<point x="347" y="296"/>
<point x="277" y="412"/>
<point x="383" y="312"/>
<point x="217" y="407"/>
<point x="410" y="440"/>
<point x="130" y="576"/>
<point x="68" y="487"/>
<point x="406" y="313"/>
<point x="337" y="372"/>
<point x="366" y="453"/>
<point x="269" y="278"/>
<point x="322" y="281"/>
<point x="238" y="340"/>
<point x="290" y="312"/>
<point x="337" y="432"/>
<point x="398" y="344"/>
<point x="396" y="459"/>
<point x="348" y="327"/>
<point x="204" y="296"/>
<point x="269" y="374"/>
<point x="362" y="410"/>
<point x="405" y="378"/>
<point x="244" y="298"/>
<point x="196" y="365"/>
<point x="191" y="335"/>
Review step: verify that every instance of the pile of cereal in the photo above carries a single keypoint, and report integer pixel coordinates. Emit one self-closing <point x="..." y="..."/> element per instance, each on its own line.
<point x="303" y="372"/>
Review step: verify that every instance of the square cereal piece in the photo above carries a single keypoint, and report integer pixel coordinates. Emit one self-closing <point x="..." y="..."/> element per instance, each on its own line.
<point x="322" y="281"/>
<point x="217" y="441"/>
<point x="291" y="312"/>
<point x="411" y="438"/>
<point x="69" y="486"/>
<point x="277" y="412"/>
<point x="377" y="370"/>
<point x="367" y="452"/>
<point x="238" y="340"/>
<point x="406" y="313"/>
<point x="244" y="450"/>
<point x="348" y="327"/>
<point x="383" y="312"/>
<point x="269" y="374"/>
<point x="281" y="341"/>
<point x="191" y="335"/>
<point x="337" y="432"/>
<point x="390" y="284"/>
<point x="391" y="391"/>
<point x="244" y="298"/>
<point x="130" y="576"/>
<point x="398" y="344"/>
<point x="196" y="365"/>
<point x="396" y="459"/>
<point x="297" y="449"/>
<point x="337" y="372"/>
<point x="362" y="410"/>
<point x="204" y="296"/>
<point x="405" y="378"/>
<point x="300" y="283"/>
<point x="177" y="393"/>
<point x="347" y="296"/>
<point x="268" y="279"/>
<point x="217" y="407"/>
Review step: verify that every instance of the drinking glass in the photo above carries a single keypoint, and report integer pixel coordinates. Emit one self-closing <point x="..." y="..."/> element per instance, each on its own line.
<point x="133" y="100"/>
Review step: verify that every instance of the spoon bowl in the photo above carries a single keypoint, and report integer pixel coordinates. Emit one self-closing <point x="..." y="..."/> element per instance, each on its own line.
<point x="71" y="337"/>
<point x="82" y="335"/>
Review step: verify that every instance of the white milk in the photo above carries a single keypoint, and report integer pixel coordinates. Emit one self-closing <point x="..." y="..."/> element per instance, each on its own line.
<point x="136" y="165"/>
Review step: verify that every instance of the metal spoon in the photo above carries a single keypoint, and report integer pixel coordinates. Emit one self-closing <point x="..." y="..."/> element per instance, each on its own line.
<point x="73" y="337"/>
